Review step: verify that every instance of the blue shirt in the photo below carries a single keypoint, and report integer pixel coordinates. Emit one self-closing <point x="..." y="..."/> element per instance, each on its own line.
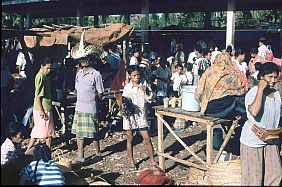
<point x="87" y="86"/>
<point x="47" y="173"/>
<point x="113" y="60"/>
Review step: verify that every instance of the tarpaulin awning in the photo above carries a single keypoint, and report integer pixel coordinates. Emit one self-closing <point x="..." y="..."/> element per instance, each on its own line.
<point x="101" y="36"/>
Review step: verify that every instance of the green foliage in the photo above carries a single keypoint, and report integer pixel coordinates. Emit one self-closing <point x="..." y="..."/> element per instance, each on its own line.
<point x="192" y="20"/>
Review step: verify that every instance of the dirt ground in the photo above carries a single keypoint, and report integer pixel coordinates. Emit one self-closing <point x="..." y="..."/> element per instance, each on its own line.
<point x="114" y="164"/>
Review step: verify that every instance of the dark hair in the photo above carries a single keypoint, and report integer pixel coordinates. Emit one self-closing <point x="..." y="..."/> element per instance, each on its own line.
<point x="145" y="55"/>
<point x="132" y="68"/>
<point x="13" y="129"/>
<point x="239" y="52"/>
<point x="179" y="65"/>
<point x="229" y="49"/>
<point x="262" y="39"/>
<point x="206" y="52"/>
<point x="41" y="151"/>
<point x="197" y="47"/>
<point x="258" y="66"/>
<point x="113" y="48"/>
<point x="267" y="68"/>
<point x="45" y="60"/>
<point x="254" y="51"/>
<point x="135" y="50"/>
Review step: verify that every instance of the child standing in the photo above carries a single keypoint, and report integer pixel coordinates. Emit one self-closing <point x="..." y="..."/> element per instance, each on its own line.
<point x="178" y="79"/>
<point x="189" y="74"/>
<point x="42" y="107"/>
<point x="140" y="93"/>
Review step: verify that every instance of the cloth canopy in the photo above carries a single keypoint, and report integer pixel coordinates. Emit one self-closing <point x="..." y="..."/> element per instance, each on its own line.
<point x="101" y="36"/>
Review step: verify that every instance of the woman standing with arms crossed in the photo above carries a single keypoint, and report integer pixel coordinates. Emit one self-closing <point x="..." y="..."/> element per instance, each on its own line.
<point x="261" y="163"/>
<point x="42" y="107"/>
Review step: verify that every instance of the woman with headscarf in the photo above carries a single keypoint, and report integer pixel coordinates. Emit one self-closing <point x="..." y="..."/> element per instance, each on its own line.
<point x="219" y="88"/>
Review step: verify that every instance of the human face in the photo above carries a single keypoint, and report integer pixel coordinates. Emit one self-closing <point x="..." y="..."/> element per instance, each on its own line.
<point x="135" y="77"/>
<point x="271" y="78"/>
<point x="253" y="55"/>
<point x="136" y="54"/>
<point x="241" y="58"/>
<point x="179" y="70"/>
<point x="46" y="69"/>
<point x="18" y="138"/>
<point x="84" y="62"/>
<point x="208" y="56"/>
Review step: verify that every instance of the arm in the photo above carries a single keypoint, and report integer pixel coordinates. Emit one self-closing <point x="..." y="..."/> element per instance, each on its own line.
<point x="255" y="107"/>
<point x="38" y="100"/>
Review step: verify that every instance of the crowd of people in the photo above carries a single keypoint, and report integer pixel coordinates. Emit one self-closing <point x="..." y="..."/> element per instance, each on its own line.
<point x="227" y="86"/>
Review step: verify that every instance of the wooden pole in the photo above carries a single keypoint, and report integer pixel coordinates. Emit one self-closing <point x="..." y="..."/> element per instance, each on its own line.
<point x="160" y="142"/>
<point x="179" y="140"/>
<point x="226" y="139"/>
<point x="188" y="163"/>
<point x="209" y="143"/>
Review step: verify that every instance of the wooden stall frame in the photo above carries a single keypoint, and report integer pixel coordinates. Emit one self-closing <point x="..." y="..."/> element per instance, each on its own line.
<point x="195" y="117"/>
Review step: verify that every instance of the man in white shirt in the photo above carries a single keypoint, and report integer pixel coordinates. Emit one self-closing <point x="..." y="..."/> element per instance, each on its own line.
<point x="194" y="54"/>
<point x="21" y="62"/>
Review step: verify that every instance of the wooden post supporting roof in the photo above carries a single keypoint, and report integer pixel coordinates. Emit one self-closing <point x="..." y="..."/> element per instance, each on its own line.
<point x="230" y="27"/>
<point x="144" y="23"/>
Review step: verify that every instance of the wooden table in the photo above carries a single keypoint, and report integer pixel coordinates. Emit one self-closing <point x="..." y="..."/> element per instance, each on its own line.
<point x="210" y="122"/>
<point x="60" y="107"/>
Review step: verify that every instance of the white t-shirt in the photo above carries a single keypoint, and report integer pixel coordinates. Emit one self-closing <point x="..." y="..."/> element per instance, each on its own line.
<point x="191" y="56"/>
<point x="133" y="61"/>
<point x="177" y="79"/>
<point x="262" y="51"/>
<point x="242" y="67"/>
<point x="22" y="62"/>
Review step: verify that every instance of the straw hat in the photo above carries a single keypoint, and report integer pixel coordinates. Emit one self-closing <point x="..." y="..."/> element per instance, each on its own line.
<point x="82" y="49"/>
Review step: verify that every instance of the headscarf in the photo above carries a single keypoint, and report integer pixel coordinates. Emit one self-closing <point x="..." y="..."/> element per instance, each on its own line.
<point x="218" y="81"/>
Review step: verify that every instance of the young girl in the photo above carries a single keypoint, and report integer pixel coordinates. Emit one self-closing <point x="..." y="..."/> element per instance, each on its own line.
<point x="140" y="93"/>
<point x="261" y="163"/>
<point x="42" y="107"/>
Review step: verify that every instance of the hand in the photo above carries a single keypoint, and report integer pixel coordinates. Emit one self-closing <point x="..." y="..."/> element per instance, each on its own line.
<point x="262" y="84"/>
<point x="43" y="115"/>
<point x="143" y="88"/>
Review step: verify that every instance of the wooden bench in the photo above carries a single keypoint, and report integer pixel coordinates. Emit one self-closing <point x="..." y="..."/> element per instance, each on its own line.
<point x="210" y="122"/>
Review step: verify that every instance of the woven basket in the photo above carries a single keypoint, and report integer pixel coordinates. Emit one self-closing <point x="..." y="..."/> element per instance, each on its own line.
<point x="99" y="181"/>
<point x="64" y="163"/>
<point x="222" y="173"/>
<point x="84" y="178"/>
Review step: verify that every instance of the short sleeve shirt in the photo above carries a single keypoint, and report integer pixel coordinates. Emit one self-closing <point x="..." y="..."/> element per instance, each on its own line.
<point x="43" y="90"/>
<point x="87" y="86"/>
<point x="268" y="117"/>
<point x="8" y="151"/>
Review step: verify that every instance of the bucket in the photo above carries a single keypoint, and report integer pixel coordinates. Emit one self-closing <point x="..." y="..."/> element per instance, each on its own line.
<point x="61" y="95"/>
<point x="189" y="102"/>
<point x="217" y="138"/>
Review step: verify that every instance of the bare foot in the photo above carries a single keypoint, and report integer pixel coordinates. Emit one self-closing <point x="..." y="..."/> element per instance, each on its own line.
<point x="153" y="163"/>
